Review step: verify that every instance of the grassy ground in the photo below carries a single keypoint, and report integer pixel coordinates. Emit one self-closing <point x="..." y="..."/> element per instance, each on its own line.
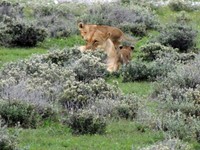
<point x="14" y="54"/>
<point x="139" y="88"/>
<point x="120" y="135"/>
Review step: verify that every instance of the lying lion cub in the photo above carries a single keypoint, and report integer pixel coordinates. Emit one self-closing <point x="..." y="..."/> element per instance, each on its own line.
<point x="89" y="32"/>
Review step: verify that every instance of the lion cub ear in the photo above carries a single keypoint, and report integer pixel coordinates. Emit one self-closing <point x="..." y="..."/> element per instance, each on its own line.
<point x="81" y="25"/>
<point x="121" y="46"/>
<point x="132" y="48"/>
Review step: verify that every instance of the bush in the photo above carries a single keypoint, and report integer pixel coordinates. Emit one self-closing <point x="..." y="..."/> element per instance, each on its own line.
<point x="181" y="126"/>
<point x="179" y="5"/>
<point x="7" y="141"/>
<point x="134" y="71"/>
<point x="178" y="35"/>
<point x="27" y="115"/>
<point x="174" y="144"/>
<point x="136" y="29"/>
<point x="79" y="94"/>
<point x="114" y="15"/>
<point x="183" y="17"/>
<point x="44" y="77"/>
<point x="127" y="108"/>
<point x="16" y="33"/>
<point x="89" y="67"/>
<point x="152" y="51"/>
<point x="139" y="70"/>
<point x="86" y="122"/>
<point x="57" y="21"/>
<point x="178" y="95"/>
<point x="13" y="10"/>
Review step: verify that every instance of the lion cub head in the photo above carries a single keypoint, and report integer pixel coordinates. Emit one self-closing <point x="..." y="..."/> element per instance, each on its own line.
<point x="124" y="54"/>
<point x="94" y="38"/>
<point x="86" y="30"/>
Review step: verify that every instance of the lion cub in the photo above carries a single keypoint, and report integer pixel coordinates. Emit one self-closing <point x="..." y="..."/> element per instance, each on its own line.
<point x="89" y="32"/>
<point x="116" y="58"/>
<point x="124" y="54"/>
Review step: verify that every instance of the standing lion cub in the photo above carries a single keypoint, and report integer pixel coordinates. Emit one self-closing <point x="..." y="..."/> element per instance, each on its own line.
<point x="92" y="34"/>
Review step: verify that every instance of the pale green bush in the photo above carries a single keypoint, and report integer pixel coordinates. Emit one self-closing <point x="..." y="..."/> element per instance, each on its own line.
<point x="180" y="125"/>
<point x="15" y="32"/>
<point x="7" y="141"/>
<point x="179" y="5"/>
<point x="178" y="35"/>
<point x="173" y="144"/>
<point x="152" y="51"/>
<point x="114" y="15"/>
<point x="86" y="122"/>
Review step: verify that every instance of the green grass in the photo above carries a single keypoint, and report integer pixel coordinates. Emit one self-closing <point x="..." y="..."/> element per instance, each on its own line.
<point x="14" y="54"/>
<point x="142" y="88"/>
<point x="120" y="135"/>
<point x="74" y="40"/>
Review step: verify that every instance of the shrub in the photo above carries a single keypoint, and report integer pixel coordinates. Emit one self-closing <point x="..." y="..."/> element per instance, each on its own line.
<point x="175" y="144"/>
<point x="183" y="17"/>
<point x="181" y="126"/>
<point x="7" y="141"/>
<point x="15" y="113"/>
<point x="89" y="67"/>
<point x="13" y="10"/>
<point x="127" y="108"/>
<point x="57" y="21"/>
<point x="179" y="5"/>
<point x="185" y="76"/>
<point x="136" y="70"/>
<point x="113" y="15"/>
<point x="79" y="94"/>
<point x="139" y="70"/>
<point x="178" y="94"/>
<point x="178" y="35"/>
<point x="16" y="33"/>
<point x="151" y="51"/>
<point x="25" y="114"/>
<point x="86" y="66"/>
<point x="36" y="82"/>
<point x="86" y="122"/>
<point x="136" y="29"/>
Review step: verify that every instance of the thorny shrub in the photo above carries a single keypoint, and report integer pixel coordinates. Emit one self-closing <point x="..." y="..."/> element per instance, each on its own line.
<point x="136" y="29"/>
<point x="151" y="51"/>
<point x="114" y="15"/>
<point x="14" y="32"/>
<point x="178" y="35"/>
<point x="86" y="122"/>
<point x="177" y="124"/>
<point x="7" y="141"/>
<point x="178" y="94"/>
<point x="167" y="144"/>
<point x="179" y="5"/>
<point x="24" y="114"/>
<point x="58" y="23"/>
<point x="13" y="10"/>
<point x="79" y="94"/>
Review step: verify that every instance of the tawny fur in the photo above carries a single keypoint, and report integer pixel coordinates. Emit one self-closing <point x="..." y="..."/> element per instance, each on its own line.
<point x="89" y="32"/>
<point x="124" y="54"/>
